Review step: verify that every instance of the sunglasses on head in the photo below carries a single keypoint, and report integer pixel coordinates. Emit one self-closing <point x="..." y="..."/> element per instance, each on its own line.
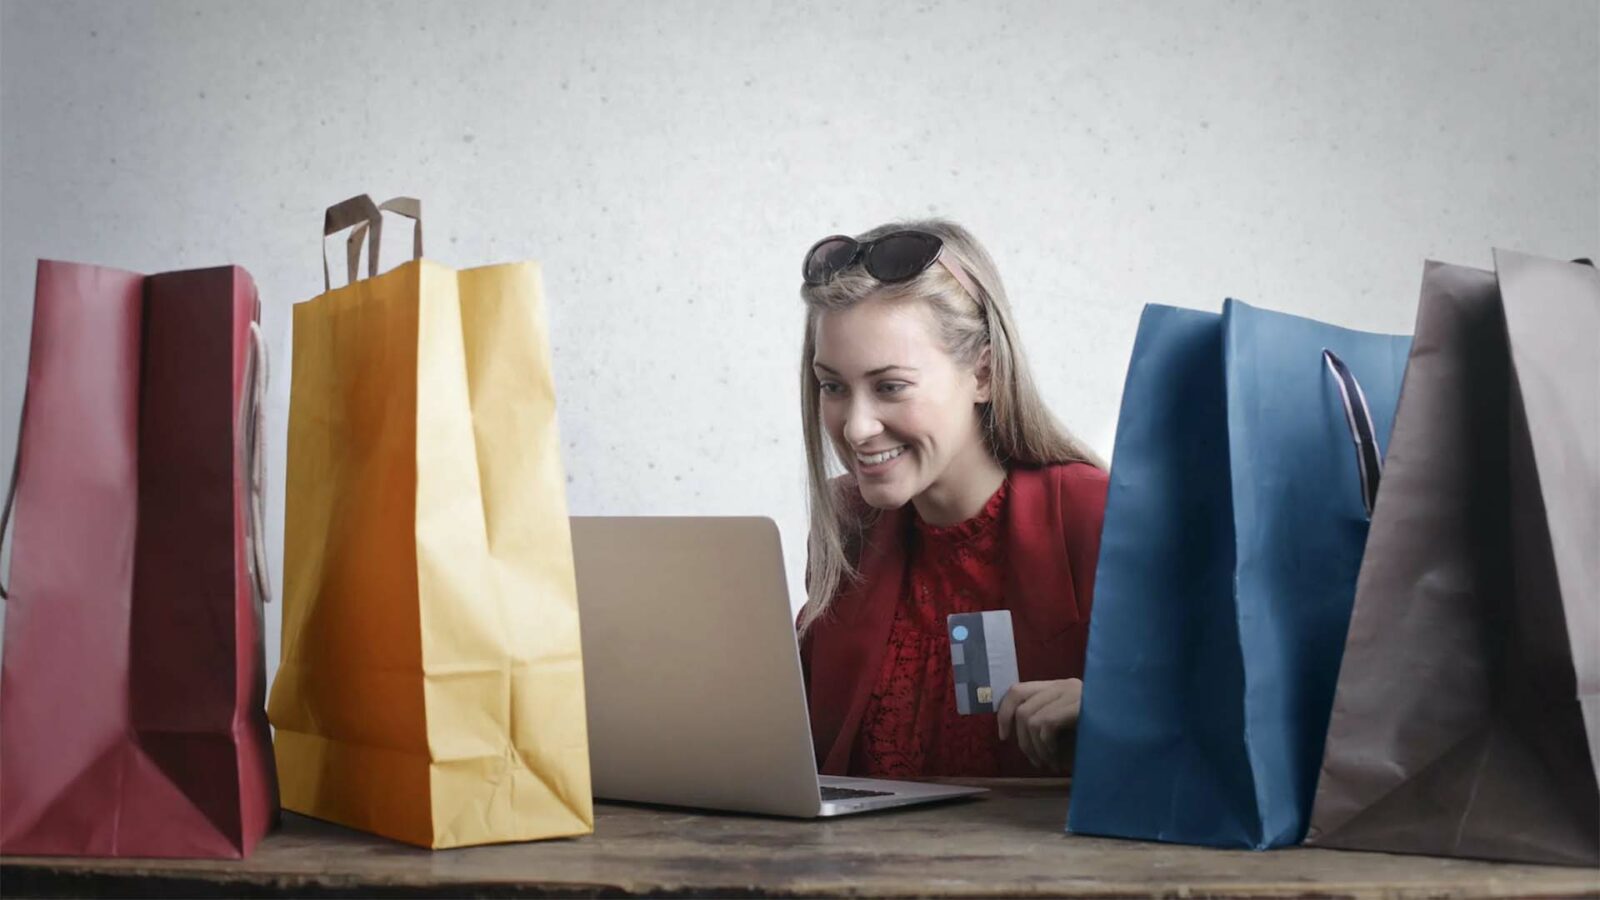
<point x="893" y="258"/>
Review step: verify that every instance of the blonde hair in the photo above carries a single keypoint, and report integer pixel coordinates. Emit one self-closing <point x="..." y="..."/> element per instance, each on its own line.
<point x="1017" y="428"/>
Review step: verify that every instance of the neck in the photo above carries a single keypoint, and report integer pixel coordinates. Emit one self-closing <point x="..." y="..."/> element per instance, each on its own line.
<point x="962" y="491"/>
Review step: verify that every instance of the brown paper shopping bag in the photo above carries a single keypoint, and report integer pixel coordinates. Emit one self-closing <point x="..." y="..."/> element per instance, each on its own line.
<point x="1466" y="720"/>
<point x="431" y="682"/>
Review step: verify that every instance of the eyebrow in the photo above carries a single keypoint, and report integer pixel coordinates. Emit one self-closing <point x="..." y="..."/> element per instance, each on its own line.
<point x="881" y="370"/>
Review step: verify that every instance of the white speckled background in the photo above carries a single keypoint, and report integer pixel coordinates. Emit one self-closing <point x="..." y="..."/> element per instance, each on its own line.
<point x="669" y="162"/>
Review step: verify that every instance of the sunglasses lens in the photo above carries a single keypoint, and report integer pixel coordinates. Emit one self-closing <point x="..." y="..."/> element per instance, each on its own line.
<point x="901" y="257"/>
<point x="827" y="258"/>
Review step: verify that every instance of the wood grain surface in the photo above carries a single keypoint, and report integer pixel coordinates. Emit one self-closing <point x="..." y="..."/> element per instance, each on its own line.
<point x="1008" y="842"/>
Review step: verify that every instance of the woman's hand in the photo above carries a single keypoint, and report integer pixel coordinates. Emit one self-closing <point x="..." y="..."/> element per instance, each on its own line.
<point x="1042" y="713"/>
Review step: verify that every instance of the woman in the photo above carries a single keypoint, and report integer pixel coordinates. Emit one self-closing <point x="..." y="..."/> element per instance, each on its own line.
<point x="961" y="493"/>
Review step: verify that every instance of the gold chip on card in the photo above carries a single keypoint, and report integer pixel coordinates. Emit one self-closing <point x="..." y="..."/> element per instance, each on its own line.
<point x="985" y="694"/>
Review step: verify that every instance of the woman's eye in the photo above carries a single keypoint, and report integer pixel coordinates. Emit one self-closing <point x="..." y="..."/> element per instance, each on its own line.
<point x="832" y="388"/>
<point x="892" y="387"/>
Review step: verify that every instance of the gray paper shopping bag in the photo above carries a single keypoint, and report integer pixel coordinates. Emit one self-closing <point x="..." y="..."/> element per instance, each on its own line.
<point x="1466" y="721"/>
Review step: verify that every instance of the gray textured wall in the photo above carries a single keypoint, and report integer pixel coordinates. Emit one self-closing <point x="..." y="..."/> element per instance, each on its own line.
<point x="669" y="162"/>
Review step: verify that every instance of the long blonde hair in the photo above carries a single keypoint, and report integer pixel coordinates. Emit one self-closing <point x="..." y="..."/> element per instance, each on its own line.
<point x="1017" y="428"/>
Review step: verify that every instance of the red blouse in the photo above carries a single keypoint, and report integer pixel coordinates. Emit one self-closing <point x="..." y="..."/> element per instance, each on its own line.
<point x="1042" y="540"/>
<point x="911" y="728"/>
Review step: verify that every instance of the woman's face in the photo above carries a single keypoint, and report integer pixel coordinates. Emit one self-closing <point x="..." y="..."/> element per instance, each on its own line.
<point x="901" y="412"/>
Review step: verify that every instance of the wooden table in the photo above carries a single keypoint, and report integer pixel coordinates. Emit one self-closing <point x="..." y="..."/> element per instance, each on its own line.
<point x="1006" y="843"/>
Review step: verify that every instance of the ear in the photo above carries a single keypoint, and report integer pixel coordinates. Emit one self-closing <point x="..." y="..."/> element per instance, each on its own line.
<point x="981" y="372"/>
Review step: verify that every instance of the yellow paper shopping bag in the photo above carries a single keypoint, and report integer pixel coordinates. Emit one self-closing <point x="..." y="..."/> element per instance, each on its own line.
<point x="431" y="682"/>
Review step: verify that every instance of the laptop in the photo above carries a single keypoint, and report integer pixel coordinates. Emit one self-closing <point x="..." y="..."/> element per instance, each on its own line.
<point x="692" y="673"/>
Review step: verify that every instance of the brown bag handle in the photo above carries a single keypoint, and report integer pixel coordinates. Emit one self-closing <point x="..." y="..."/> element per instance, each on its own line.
<point x="358" y="210"/>
<point x="410" y="207"/>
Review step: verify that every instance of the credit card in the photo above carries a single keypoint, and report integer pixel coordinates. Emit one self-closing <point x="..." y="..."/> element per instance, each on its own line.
<point x="983" y="657"/>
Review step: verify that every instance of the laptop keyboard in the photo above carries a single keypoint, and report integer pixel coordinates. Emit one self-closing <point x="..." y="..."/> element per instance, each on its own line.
<point x="839" y="793"/>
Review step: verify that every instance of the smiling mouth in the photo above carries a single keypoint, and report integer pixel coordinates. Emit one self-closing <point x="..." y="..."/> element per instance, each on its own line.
<point x="877" y="459"/>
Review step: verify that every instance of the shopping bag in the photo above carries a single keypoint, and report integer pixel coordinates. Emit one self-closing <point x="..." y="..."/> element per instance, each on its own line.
<point x="431" y="686"/>
<point x="1247" y="455"/>
<point x="1467" y="716"/>
<point x="133" y="681"/>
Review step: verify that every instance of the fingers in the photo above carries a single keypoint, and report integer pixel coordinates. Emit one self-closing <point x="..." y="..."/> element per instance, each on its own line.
<point x="1027" y="723"/>
<point x="1073" y="696"/>
<point x="1055" y="743"/>
<point x="1057" y="722"/>
<point x="1005" y="716"/>
<point x="1007" y="710"/>
<point x="1044" y="741"/>
<point x="1040" y="715"/>
<point x="1025" y="743"/>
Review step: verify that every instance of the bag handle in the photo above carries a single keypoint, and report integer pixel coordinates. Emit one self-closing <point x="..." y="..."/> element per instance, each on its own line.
<point x="1362" y="433"/>
<point x="11" y="487"/>
<point x="344" y="214"/>
<point x="253" y="463"/>
<point x="410" y="207"/>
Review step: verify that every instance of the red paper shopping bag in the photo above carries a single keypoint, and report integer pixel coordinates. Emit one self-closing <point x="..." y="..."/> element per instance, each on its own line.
<point x="132" y="684"/>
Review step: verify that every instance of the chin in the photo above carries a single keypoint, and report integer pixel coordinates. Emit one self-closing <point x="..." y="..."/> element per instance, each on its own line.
<point x="884" y="496"/>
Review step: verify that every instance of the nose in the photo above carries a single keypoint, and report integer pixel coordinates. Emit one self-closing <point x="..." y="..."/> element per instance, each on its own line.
<point x="861" y="422"/>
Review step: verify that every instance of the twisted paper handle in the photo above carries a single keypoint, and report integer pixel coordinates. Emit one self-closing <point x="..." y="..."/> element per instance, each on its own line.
<point x="252" y="443"/>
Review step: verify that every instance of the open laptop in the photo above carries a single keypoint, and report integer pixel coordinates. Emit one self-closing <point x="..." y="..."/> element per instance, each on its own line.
<point x="693" y="677"/>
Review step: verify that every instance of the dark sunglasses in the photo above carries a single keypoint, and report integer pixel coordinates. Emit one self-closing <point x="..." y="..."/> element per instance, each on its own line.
<point x="893" y="258"/>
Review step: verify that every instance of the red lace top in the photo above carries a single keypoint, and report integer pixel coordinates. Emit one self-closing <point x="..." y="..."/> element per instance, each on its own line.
<point x="910" y="728"/>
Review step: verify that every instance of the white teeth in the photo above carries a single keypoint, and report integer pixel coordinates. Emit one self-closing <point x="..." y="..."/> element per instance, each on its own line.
<point x="878" y="458"/>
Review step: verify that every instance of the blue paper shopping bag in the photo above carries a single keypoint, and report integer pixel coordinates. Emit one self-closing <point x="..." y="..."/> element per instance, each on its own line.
<point x="1247" y="456"/>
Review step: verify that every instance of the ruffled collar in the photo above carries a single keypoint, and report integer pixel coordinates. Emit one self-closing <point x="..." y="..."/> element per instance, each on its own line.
<point x="961" y="532"/>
